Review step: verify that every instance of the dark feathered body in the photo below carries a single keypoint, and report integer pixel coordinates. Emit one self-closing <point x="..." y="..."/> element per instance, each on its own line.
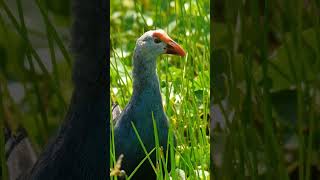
<point x="80" y="149"/>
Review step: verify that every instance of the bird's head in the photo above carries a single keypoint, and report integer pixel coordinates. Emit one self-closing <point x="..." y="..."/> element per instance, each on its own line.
<point x="156" y="42"/>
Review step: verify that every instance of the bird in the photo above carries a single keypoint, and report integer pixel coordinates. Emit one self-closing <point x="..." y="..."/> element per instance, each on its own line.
<point x="20" y="155"/>
<point x="80" y="148"/>
<point x="144" y="106"/>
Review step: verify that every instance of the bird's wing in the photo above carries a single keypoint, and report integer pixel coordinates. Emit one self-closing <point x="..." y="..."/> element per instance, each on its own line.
<point x="19" y="153"/>
<point x="116" y="111"/>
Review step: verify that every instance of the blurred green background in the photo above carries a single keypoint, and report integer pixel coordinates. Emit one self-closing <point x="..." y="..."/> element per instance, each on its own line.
<point x="184" y="82"/>
<point x="35" y="69"/>
<point x="265" y="65"/>
<point x="35" y="65"/>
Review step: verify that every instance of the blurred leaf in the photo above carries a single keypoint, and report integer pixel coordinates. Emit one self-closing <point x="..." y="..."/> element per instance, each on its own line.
<point x="285" y="104"/>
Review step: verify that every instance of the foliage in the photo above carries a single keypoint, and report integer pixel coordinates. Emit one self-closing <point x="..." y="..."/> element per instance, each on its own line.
<point x="35" y="69"/>
<point x="265" y="65"/>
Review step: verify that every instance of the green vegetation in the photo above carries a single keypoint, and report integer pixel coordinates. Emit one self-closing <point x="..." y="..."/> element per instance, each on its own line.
<point x="184" y="81"/>
<point x="265" y="78"/>
<point x="35" y="69"/>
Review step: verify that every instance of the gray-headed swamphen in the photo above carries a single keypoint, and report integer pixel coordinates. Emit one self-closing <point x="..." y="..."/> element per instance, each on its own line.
<point x="145" y="102"/>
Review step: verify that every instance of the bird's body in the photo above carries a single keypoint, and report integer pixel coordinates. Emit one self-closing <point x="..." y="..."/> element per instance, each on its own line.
<point x="144" y="106"/>
<point x="141" y="107"/>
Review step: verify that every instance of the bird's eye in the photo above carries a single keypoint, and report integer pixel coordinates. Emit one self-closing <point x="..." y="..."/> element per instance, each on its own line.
<point x="156" y="40"/>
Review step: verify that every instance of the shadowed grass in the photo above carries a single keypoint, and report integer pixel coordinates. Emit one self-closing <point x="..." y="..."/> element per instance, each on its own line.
<point x="26" y="72"/>
<point x="266" y="64"/>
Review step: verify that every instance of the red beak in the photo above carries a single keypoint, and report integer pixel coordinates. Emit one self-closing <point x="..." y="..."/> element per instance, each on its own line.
<point x="172" y="46"/>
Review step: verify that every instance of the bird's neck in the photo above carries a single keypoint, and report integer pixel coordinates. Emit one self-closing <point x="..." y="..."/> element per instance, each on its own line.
<point x="145" y="76"/>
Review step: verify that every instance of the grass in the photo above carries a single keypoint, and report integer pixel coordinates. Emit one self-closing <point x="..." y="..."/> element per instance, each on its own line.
<point x="184" y="81"/>
<point x="34" y="65"/>
<point x="265" y="65"/>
